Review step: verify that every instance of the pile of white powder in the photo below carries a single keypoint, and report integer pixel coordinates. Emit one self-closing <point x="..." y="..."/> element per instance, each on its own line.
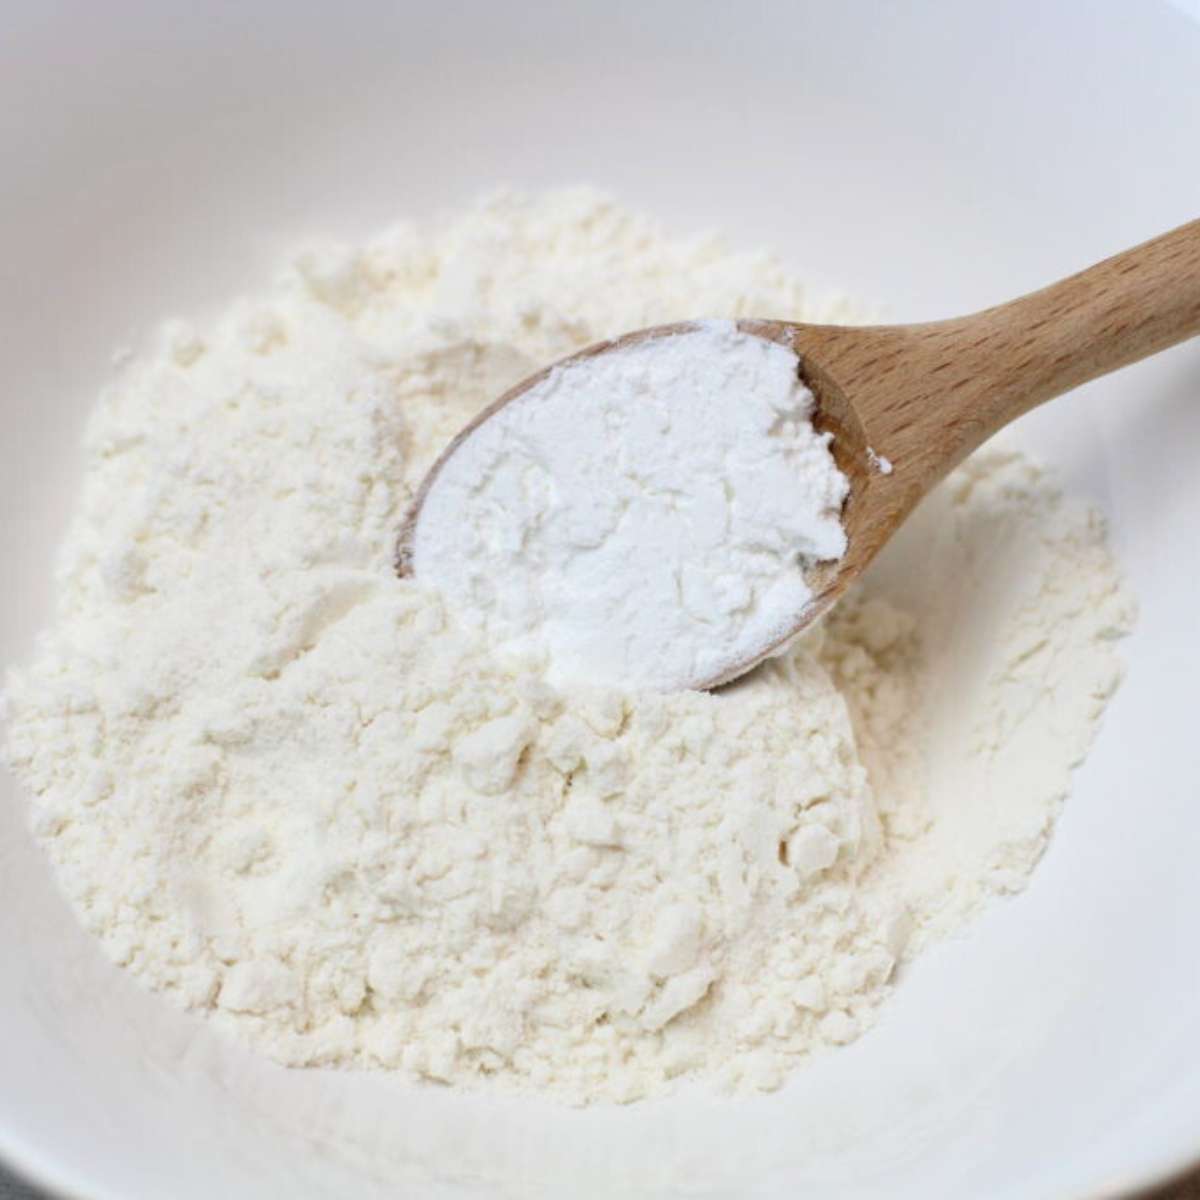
<point x="284" y="788"/>
<point x="645" y="517"/>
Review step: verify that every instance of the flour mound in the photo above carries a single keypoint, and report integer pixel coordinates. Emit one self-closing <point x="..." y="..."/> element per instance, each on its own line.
<point x="293" y="793"/>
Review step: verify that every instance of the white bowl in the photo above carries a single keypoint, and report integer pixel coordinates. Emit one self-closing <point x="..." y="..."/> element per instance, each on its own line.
<point x="157" y="157"/>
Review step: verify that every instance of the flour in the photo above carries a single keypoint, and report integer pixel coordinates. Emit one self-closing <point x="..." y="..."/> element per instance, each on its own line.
<point x="299" y="796"/>
<point x="643" y="517"/>
<point x="1017" y="666"/>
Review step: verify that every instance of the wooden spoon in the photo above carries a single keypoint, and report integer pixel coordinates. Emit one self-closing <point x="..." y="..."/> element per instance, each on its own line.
<point x="919" y="398"/>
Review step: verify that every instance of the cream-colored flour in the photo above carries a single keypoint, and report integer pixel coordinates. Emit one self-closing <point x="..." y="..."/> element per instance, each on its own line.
<point x="283" y="787"/>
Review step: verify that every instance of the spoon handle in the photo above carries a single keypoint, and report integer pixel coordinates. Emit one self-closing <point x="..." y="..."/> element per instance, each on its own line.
<point x="1119" y="311"/>
<point x="927" y="395"/>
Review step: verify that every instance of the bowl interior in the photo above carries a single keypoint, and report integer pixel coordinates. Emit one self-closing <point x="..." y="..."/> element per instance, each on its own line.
<point x="932" y="158"/>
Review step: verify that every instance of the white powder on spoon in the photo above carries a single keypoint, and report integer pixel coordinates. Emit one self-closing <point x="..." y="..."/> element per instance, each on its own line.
<point x="643" y="517"/>
<point x="282" y="787"/>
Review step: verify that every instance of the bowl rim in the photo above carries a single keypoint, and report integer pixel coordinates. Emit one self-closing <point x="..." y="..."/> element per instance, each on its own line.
<point x="29" y="1167"/>
<point x="34" y="1162"/>
<point x="32" y="1167"/>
